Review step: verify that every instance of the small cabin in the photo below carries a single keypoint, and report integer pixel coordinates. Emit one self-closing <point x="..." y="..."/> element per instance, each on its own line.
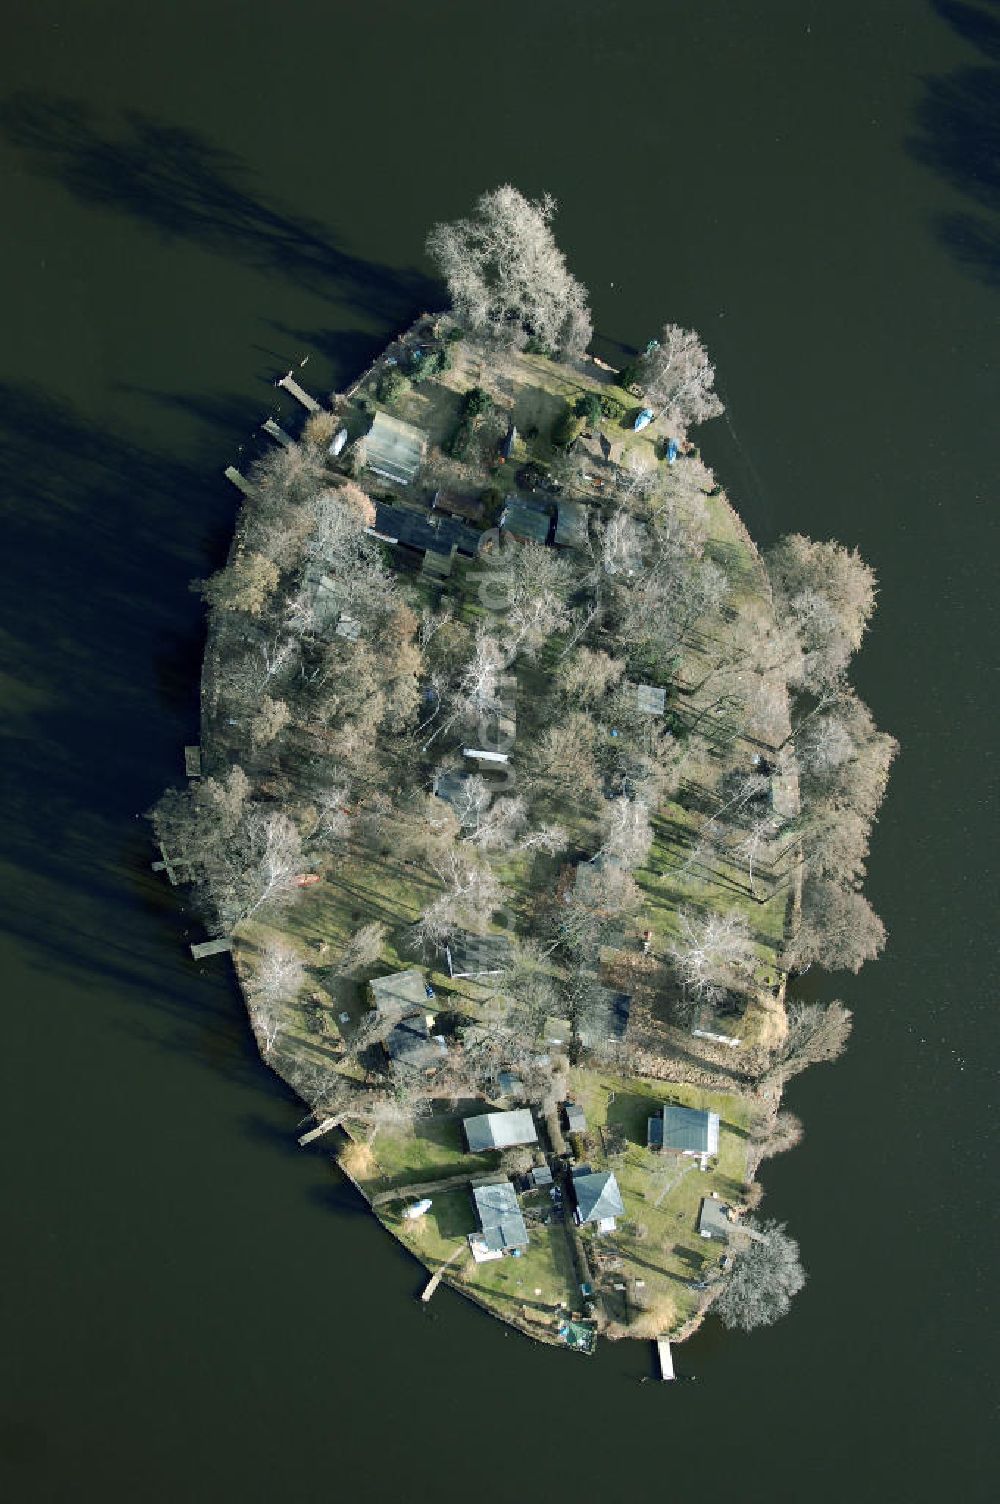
<point x="598" y="1199"/>
<point x="394" y="449"/>
<point x="527" y="521"/>
<point x="502" y="1228"/>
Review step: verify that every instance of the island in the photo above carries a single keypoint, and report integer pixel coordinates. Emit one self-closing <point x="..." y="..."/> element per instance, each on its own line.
<point x="525" y="785"/>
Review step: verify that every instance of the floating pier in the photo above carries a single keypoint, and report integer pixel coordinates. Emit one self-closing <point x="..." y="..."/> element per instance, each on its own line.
<point x="211" y="948"/>
<point x="232" y="474"/>
<point x="293" y="389"/>
<point x="666" y="1359"/>
<point x="277" y="434"/>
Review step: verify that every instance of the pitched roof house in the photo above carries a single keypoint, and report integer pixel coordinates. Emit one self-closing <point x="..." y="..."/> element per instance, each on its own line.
<point x="499" y="1130"/>
<point x="394" y="449"/>
<point x="598" y="1199"/>
<point x="684" y="1130"/>
<point x="500" y="1219"/>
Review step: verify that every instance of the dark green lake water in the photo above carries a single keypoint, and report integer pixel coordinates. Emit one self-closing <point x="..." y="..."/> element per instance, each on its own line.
<point x="195" y="196"/>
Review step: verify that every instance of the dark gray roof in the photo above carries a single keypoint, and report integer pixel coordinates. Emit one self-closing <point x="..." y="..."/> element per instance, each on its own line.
<point x="571" y="527"/>
<point x="500" y="1130"/>
<point x="713" y="1219"/>
<point x="471" y="955"/>
<point x="541" y="1175"/>
<point x="525" y="519"/>
<point x="607" y="1016"/>
<point x="597" y="1195"/>
<point x="576" y="1118"/>
<point x="692" y="1130"/>
<point x="654" y="1131"/>
<point x="410" y="1043"/>
<point x="500" y="1216"/>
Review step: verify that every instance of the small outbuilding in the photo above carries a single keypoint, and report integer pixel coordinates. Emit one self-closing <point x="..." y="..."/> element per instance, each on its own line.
<point x="571" y="525"/>
<point x="394" y="449"/>
<point x="714" y="1220"/>
<point x="499" y="1130"/>
<point x="471" y="955"/>
<point x="541" y="1175"/>
<point x="598" y="1199"/>
<point x="650" y="700"/>
<point x="576" y="1118"/>
<point x="502" y="1228"/>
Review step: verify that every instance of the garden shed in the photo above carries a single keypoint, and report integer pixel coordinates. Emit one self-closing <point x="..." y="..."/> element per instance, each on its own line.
<point x="394" y="449"/>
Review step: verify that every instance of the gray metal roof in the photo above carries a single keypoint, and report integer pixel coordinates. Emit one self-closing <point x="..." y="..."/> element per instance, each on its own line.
<point x="690" y="1129"/>
<point x="597" y="1195"/>
<point x="500" y="1216"/>
<point x="649" y="699"/>
<point x="541" y="1175"/>
<point x="394" y="448"/>
<point x="576" y="1118"/>
<point x="400" y="988"/>
<point x="500" y="1130"/>
<point x="571" y="527"/>
<point x="713" y="1219"/>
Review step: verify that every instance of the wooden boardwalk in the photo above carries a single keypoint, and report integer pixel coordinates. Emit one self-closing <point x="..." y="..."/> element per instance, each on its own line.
<point x="211" y="948"/>
<point x="293" y="389"/>
<point x="435" y="1279"/>
<point x="277" y="434"/>
<point x="232" y="474"/>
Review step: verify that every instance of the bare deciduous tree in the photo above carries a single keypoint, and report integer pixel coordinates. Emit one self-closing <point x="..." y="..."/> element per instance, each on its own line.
<point x="679" y="379"/>
<point x="247" y="584"/>
<point x="710" y="951"/>
<point x="507" y="278"/>
<point x="766" y="1274"/>
<point x="815" y="1034"/>
<point x="363" y="949"/>
<point x="839" y="929"/>
<point x="827" y="594"/>
<point x="278" y="975"/>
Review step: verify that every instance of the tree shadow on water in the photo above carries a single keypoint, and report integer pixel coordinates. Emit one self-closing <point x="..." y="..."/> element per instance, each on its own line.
<point x="958" y="124"/>
<point x="181" y="185"/>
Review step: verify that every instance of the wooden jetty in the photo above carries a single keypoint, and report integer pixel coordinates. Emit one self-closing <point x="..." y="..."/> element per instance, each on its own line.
<point x="666" y="1359"/>
<point x="318" y="1131"/>
<point x="435" y="1279"/>
<point x="293" y="389"/>
<point x="232" y="474"/>
<point x="278" y="434"/>
<point x="192" y="762"/>
<point x="211" y="948"/>
<point x="167" y="866"/>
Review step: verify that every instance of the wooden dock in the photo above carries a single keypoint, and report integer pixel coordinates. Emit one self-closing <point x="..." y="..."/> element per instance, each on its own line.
<point x="277" y="434"/>
<point x="666" y="1359"/>
<point x="435" y="1279"/>
<point x="318" y="1132"/>
<point x="293" y="389"/>
<point x="167" y="866"/>
<point x="211" y="948"/>
<point x="232" y="474"/>
<point x="192" y="762"/>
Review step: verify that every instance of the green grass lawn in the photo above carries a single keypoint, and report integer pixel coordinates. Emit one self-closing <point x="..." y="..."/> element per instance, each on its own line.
<point x="658" y="1241"/>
